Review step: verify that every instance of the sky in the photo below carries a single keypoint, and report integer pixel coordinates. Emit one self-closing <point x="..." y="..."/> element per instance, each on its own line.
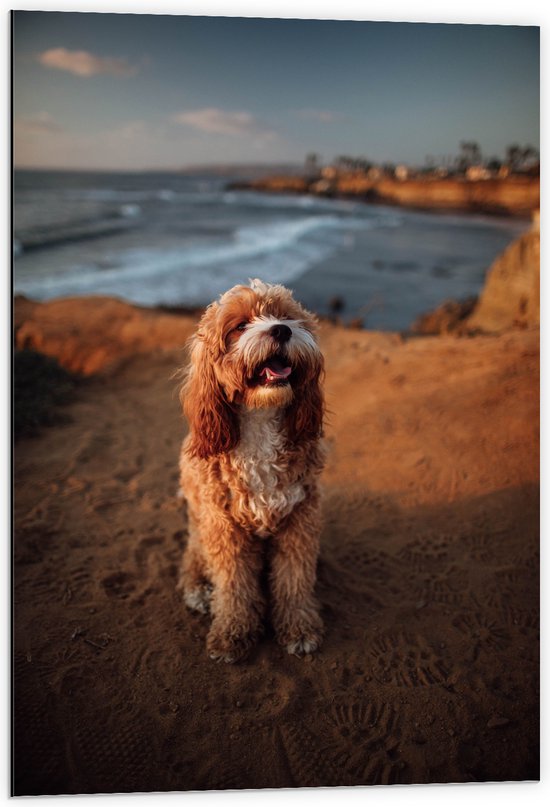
<point x="146" y="92"/>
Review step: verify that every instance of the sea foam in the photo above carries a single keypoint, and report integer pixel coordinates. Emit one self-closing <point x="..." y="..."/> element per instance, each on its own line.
<point x="278" y="251"/>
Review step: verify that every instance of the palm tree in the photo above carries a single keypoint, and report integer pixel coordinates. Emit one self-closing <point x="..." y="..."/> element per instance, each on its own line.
<point x="513" y="156"/>
<point x="471" y="154"/>
<point x="312" y="164"/>
<point x="528" y="152"/>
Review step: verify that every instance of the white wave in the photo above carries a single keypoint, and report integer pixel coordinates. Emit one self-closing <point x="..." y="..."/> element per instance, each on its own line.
<point x="130" y="211"/>
<point x="277" y="251"/>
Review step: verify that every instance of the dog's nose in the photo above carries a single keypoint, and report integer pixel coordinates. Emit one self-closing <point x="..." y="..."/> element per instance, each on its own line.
<point x="281" y="333"/>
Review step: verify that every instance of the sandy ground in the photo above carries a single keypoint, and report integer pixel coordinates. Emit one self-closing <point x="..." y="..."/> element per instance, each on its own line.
<point x="428" y="578"/>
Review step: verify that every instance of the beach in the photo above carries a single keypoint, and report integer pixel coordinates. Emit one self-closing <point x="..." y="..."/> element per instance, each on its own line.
<point x="428" y="575"/>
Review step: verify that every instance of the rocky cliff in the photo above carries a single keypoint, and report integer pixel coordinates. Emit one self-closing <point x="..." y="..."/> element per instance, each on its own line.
<point x="511" y="295"/>
<point x="516" y="195"/>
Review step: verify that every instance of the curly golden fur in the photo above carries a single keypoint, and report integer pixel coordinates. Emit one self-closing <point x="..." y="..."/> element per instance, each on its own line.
<point x="250" y="467"/>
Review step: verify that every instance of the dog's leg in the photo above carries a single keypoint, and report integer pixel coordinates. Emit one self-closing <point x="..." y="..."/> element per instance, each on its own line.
<point x="235" y="563"/>
<point x="193" y="581"/>
<point x="295" y="548"/>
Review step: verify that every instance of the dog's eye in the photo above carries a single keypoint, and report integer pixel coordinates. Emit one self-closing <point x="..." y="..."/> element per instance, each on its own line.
<point x="241" y="326"/>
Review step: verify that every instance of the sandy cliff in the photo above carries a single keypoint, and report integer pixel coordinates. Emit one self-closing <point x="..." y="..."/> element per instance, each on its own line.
<point x="512" y="196"/>
<point x="511" y="295"/>
<point x="91" y="334"/>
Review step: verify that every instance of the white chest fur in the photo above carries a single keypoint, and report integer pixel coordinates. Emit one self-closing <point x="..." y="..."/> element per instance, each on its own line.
<point x="262" y="463"/>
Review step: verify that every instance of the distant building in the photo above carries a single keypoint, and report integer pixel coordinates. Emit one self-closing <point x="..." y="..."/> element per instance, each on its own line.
<point x="329" y="172"/>
<point x="402" y="172"/>
<point x="374" y="173"/>
<point x="476" y="172"/>
<point x="322" y="186"/>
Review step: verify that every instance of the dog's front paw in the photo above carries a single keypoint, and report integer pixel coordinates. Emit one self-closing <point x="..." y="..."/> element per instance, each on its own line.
<point x="230" y="645"/>
<point x="198" y="599"/>
<point x="304" y="645"/>
<point x="301" y="636"/>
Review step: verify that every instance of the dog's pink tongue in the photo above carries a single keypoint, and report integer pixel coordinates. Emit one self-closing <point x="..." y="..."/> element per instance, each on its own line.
<point x="275" y="371"/>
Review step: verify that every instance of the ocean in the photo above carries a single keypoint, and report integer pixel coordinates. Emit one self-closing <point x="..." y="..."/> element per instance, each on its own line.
<point x="176" y="239"/>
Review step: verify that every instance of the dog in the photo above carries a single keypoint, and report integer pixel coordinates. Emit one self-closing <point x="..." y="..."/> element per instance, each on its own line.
<point x="250" y="469"/>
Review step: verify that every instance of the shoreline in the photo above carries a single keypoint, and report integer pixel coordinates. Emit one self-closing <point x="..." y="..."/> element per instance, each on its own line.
<point x="509" y="297"/>
<point x="384" y="276"/>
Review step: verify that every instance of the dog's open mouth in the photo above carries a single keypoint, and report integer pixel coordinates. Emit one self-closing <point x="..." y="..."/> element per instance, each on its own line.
<point x="274" y="371"/>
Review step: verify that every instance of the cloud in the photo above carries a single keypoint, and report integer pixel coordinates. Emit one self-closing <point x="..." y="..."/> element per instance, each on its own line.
<point x="41" y="123"/>
<point x="84" y="64"/>
<point x="322" y="115"/>
<point x="218" y="121"/>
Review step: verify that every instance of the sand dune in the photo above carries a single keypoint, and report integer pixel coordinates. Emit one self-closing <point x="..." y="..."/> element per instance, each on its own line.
<point x="428" y="575"/>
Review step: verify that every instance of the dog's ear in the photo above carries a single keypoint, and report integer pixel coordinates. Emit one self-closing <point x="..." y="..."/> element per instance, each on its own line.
<point x="213" y="424"/>
<point x="304" y="416"/>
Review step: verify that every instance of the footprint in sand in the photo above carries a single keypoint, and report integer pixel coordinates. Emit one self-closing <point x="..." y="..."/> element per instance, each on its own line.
<point x="406" y="660"/>
<point x="360" y="746"/>
<point x="524" y="618"/>
<point x="57" y="665"/>
<point x="528" y="559"/>
<point x="91" y="446"/>
<point x="306" y="757"/>
<point x="480" y="546"/>
<point x="361" y="571"/>
<point x="426" y="553"/>
<point x="226" y="774"/>
<point x="119" y="585"/>
<point x="365" y="742"/>
<point x="447" y="587"/>
<point x="157" y="667"/>
<point x="483" y="631"/>
<point x="513" y="580"/>
<point x="264" y="698"/>
<point x="80" y="585"/>
<point x="145" y="548"/>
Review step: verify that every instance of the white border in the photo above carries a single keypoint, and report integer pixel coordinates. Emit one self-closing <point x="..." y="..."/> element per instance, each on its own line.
<point x="523" y="12"/>
<point x="528" y="12"/>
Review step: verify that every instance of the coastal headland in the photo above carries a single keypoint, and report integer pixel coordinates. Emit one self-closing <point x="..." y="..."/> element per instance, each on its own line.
<point x="514" y="195"/>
